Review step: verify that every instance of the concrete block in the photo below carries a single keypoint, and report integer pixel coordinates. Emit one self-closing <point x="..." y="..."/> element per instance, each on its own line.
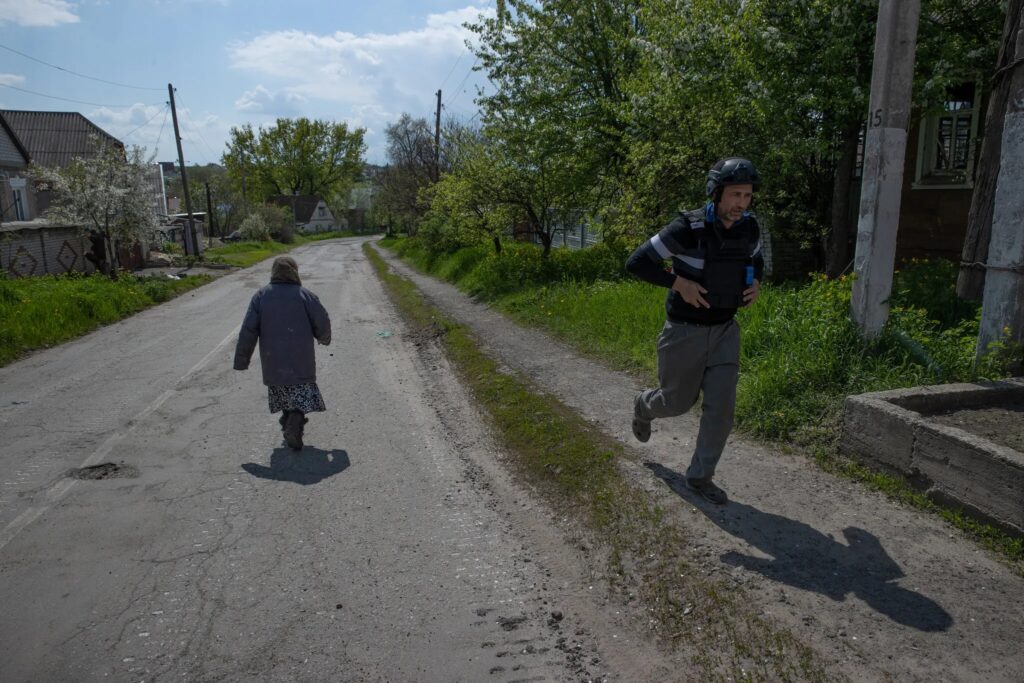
<point x="971" y="471"/>
<point x="878" y="432"/>
<point x="891" y="430"/>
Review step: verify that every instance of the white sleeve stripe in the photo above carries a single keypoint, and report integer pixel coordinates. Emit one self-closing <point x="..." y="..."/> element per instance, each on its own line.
<point x="697" y="263"/>
<point x="757" y="249"/>
<point x="660" y="247"/>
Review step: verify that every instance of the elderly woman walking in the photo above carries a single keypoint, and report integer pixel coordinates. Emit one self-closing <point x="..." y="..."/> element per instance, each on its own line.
<point x="285" y="318"/>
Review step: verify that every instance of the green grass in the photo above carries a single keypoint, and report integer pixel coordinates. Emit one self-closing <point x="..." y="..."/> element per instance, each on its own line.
<point x="573" y="464"/>
<point x="39" y="312"/>
<point x="245" y="254"/>
<point x="801" y="355"/>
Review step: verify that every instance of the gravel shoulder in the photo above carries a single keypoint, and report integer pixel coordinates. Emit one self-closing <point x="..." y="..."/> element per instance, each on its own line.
<point x="881" y="591"/>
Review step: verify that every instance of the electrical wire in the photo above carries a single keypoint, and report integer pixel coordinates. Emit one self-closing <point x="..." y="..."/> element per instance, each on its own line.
<point x="458" y="90"/>
<point x="195" y="129"/>
<point x="67" y="99"/>
<point x="451" y="71"/>
<point x="156" y="145"/>
<point x="75" y="73"/>
<point x="149" y="121"/>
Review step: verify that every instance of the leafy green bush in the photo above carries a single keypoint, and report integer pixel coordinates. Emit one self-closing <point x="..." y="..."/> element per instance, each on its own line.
<point x="254" y="228"/>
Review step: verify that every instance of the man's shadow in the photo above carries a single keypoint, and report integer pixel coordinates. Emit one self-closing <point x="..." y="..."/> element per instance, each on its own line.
<point x="308" y="466"/>
<point x="805" y="558"/>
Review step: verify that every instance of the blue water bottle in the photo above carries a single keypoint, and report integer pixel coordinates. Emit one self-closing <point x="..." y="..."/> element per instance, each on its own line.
<point x="750" y="275"/>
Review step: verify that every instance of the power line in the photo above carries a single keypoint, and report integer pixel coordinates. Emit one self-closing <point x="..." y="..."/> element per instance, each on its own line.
<point x="452" y="70"/>
<point x="199" y="133"/>
<point x="75" y="73"/>
<point x="458" y="89"/>
<point x="161" y="133"/>
<point x="145" y="124"/>
<point x="66" y="99"/>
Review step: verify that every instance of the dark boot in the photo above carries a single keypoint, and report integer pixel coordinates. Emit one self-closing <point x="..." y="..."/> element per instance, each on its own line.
<point x="293" y="428"/>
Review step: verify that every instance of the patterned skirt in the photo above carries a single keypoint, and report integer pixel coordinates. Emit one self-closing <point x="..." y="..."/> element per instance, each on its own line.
<point x="304" y="397"/>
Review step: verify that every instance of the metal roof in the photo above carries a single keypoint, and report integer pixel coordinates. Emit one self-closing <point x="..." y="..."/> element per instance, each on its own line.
<point x="54" y="138"/>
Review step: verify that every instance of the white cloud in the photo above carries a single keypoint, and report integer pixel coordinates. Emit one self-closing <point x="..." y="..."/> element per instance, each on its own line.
<point x="11" y="79"/>
<point x="150" y="126"/>
<point x="37" y="12"/>
<point x="373" y="72"/>
<point x="262" y="99"/>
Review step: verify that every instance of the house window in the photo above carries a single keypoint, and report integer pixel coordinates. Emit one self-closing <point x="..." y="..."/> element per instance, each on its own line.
<point x="946" y="142"/>
<point x="322" y="211"/>
<point x="20" y="199"/>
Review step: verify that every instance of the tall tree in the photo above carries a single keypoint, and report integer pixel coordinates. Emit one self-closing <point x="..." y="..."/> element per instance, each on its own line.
<point x="787" y="84"/>
<point x="107" y="194"/>
<point x="409" y="170"/>
<point x="295" y="156"/>
<point x="559" y="67"/>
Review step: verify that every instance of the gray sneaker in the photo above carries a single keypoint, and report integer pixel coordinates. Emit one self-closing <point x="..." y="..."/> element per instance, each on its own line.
<point x="641" y="427"/>
<point x="707" y="490"/>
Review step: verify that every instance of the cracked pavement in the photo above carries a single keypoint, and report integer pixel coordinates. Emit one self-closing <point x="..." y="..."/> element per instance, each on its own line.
<point x="393" y="548"/>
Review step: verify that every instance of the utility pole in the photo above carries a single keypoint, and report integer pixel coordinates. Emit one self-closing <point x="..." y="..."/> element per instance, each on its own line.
<point x="437" y="139"/>
<point x="191" y="247"/>
<point x="209" y="217"/>
<point x="971" y="282"/>
<point x="885" y="146"/>
<point x="1002" y="307"/>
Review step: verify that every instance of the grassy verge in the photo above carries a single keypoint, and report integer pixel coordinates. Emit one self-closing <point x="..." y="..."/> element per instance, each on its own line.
<point x="801" y="355"/>
<point x="39" y="312"/>
<point x="574" y="466"/>
<point x="245" y="254"/>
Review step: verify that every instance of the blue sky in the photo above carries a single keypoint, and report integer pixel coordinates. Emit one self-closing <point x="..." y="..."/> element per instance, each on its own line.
<point x="238" y="61"/>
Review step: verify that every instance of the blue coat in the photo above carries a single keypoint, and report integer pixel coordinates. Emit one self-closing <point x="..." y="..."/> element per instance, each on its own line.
<point x="285" y="318"/>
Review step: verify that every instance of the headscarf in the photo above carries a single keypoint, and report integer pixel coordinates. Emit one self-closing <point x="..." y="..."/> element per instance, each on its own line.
<point x="285" y="269"/>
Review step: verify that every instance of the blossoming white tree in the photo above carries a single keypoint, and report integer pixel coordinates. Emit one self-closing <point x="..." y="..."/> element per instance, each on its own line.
<point x="105" y="194"/>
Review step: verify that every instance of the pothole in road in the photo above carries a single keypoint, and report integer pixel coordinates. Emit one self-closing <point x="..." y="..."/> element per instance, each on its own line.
<point x="106" y="470"/>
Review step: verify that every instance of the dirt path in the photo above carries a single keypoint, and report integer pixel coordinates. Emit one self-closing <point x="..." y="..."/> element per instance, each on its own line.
<point x="882" y="591"/>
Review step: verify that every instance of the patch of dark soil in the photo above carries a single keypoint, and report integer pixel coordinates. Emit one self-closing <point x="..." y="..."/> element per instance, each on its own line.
<point x="1002" y="424"/>
<point x="106" y="470"/>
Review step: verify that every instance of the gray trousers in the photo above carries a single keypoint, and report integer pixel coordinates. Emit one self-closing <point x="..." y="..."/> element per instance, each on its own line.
<point x="691" y="359"/>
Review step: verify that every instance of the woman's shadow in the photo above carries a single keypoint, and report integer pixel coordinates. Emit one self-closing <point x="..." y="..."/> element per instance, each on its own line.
<point x="308" y="466"/>
<point x="803" y="557"/>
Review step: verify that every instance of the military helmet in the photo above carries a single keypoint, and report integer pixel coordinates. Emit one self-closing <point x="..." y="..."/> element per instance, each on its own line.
<point x="732" y="171"/>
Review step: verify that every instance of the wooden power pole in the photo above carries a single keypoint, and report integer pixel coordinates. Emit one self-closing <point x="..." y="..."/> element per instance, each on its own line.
<point x="885" y="146"/>
<point x="971" y="282"/>
<point x="209" y="217"/>
<point x="1002" y="308"/>
<point x="191" y="246"/>
<point x="437" y="139"/>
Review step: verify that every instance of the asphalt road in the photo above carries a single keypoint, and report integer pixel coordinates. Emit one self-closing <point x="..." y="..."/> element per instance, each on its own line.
<point x="380" y="553"/>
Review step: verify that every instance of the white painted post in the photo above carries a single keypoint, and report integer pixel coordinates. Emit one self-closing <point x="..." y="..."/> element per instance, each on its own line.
<point x="1003" y="304"/>
<point x="885" y="145"/>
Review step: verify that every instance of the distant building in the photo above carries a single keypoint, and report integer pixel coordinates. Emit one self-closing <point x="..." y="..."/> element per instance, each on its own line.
<point x="46" y="138"/>
<point x="311" y="212"/>
<point x="30" y="245"/>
